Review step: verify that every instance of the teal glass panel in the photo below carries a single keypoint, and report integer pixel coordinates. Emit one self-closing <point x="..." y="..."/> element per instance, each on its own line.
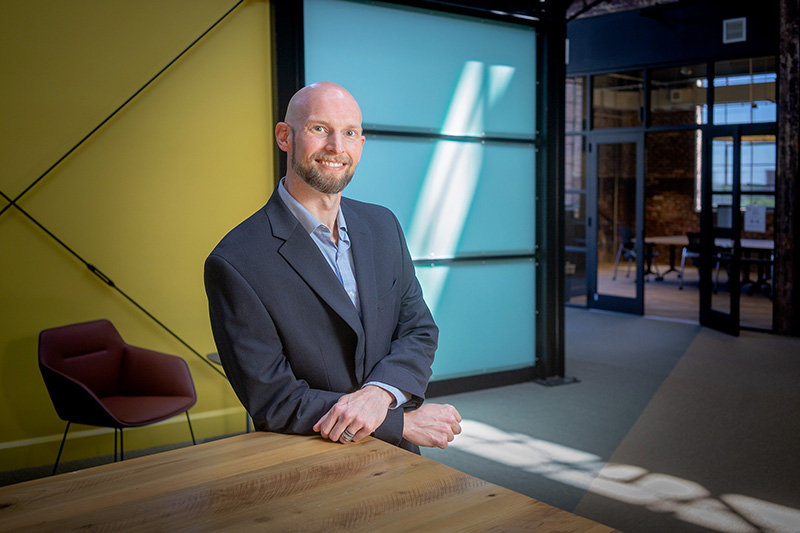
<point x="420" y="71"/>
<point x="414" y="69"/>
<point x="452" y="197"/>
<point x="485" y="314"/>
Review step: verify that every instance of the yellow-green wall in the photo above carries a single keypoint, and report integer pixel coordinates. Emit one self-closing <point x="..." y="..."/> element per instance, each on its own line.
<point x="144" y="199"/>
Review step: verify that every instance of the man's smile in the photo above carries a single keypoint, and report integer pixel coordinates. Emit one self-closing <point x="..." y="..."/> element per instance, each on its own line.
<point x="332" y="164"/>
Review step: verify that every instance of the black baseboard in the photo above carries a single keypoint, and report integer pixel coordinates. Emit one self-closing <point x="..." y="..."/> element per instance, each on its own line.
<point x="556" y="380"/>
<point x="483" y="381"/>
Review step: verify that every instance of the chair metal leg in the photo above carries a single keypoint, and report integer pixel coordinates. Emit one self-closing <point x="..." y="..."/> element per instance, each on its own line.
<point x="616" y="262"/>
<point x="683" y="265"/>
<point x="655" y="265"/>
<point x="190" y="427"/>
<point x="60" y="449"/>
<point x="121" y="456"/>
<point x="121" y="446"/>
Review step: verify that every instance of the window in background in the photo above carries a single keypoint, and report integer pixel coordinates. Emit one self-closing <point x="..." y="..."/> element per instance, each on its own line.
<point x="678" y="95"/>
<point x="617" y="99"/>
<point x="575" y="219"/>
<point x="575" y="97"/>
<point x="575" y="191"/>
<point x="758" y="170"/>
<point x="745" y="91"/>
<point x="722" y="171"/>
<point x="575" y="171"/>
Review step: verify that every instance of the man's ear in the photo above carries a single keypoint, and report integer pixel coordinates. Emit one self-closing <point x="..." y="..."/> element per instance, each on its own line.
<point x="283" y="136"/>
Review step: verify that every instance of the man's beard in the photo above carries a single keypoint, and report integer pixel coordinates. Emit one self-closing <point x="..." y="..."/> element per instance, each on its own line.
<point x="317" y="181"/>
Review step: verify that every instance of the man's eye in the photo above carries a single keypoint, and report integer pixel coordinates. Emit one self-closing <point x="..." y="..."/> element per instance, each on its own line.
<point x="351" y="133"/>
<point x="317" y="129"/>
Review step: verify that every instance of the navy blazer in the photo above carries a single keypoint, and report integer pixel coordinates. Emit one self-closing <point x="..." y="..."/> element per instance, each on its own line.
<point x="290" y="340"/>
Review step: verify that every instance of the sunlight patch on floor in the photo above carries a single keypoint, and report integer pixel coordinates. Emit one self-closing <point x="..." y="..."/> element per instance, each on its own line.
<point x="686" y="500"/>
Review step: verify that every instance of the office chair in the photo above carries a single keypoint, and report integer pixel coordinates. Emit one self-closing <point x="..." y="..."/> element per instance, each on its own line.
<point x="723" y="258"/>
<point x="95" y="378"/>
<point x="722" y="254"/>
<point x="691" y="252"/>
<point x="627" y="250"/>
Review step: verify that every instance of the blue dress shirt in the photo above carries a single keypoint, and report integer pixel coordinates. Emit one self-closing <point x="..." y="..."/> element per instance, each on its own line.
<point x="340" y="259"/>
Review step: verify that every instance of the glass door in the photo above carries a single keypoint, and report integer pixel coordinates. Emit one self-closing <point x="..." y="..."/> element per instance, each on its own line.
<point x="720" y="226"/>
<point x="738" y="201"/>
<point x="616" y="261"/>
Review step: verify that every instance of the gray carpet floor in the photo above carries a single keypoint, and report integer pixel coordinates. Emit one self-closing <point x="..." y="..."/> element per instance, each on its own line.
<point x="671" y="428"/>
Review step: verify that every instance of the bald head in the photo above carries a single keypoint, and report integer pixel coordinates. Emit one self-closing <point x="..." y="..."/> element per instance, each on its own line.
<point x="320" y="94"/>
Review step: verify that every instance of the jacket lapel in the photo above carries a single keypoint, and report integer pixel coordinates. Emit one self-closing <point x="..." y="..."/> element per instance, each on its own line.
<point x="300" y="251"/>
<point x="364" y="265"/>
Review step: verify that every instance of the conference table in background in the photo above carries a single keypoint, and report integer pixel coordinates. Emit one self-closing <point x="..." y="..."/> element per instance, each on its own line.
<point x="762" y="248"/>
<point x="271" y="482"/>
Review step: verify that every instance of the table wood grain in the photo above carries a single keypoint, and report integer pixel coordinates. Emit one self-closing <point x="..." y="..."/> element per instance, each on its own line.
<point x="271" y="482"/>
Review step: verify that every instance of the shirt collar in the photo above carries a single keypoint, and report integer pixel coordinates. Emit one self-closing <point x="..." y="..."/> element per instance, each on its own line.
<point x="304" y="216"/>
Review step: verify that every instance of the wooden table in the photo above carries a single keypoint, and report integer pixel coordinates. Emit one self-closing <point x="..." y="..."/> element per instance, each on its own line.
<point x="759" y="246"/>
<point x="270" y="482"/>
<point x="721" y="242"/>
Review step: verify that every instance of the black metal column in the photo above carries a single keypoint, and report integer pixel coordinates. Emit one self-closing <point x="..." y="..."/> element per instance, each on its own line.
<point x="551" y="77"/>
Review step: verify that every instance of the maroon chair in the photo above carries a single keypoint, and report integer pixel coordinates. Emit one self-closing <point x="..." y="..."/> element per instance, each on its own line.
<point x="95" y="378"/>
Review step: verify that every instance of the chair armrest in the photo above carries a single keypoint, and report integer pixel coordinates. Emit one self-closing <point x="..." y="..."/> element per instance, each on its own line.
<point x="74" y="401"/>
<point x="149" y="373"/>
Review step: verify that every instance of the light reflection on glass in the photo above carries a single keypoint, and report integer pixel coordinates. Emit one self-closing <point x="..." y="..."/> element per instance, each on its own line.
<point x="452" y="177"/>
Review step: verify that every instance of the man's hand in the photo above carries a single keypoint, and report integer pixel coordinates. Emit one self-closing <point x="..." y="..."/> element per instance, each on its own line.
<point x="432" y="425"/>
<point x="359" y="413"/>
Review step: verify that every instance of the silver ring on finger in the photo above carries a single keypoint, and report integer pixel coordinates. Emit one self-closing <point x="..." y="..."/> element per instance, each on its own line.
<point x="347" y="436"/>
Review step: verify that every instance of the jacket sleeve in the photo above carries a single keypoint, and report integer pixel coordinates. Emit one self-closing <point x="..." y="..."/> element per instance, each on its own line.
<point x="252" y="355"/>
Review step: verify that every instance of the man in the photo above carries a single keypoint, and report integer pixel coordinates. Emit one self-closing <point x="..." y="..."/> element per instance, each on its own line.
<point x="315" y="307"/>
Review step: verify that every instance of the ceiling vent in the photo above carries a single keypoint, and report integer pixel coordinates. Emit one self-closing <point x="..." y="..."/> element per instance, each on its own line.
<point x="734" y="30"/>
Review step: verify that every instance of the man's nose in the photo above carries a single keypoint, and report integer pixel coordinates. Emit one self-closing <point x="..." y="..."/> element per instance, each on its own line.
<point x="335" y="143"/>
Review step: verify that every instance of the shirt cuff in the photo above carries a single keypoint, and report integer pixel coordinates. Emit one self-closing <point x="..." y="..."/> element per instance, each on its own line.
<point x="400" y="397"/>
